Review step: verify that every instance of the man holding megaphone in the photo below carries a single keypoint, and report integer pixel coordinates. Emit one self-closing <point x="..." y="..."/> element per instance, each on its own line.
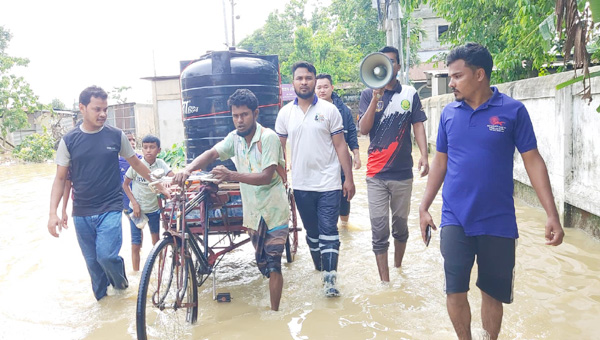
<point x="387" y="112"/>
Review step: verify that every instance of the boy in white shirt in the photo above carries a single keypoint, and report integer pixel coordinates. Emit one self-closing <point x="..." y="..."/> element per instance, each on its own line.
<point x="143" y="200"/>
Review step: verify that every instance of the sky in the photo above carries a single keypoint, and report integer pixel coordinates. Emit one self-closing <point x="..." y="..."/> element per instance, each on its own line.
<point x="110" y="43"/>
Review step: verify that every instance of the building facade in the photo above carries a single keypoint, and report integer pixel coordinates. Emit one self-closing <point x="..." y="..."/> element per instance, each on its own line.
<point x="166" y="110"/>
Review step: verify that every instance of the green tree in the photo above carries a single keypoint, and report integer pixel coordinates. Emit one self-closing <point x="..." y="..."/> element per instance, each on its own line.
<point x="576" y="22"/>
<point x="334" y="39"/>
<point x="119" y="94"/>
<point x="358" y="18"/>
<point x="277" y="34"/>
<point x="508" y="28"/>
<point x="175" y="156"/>
<point x="325" y="51"/>
<point x="58" y="104"/>
<point x="16" y="96"/>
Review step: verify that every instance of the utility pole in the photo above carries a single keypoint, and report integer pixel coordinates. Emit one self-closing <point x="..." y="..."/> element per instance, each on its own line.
<point x="395" y="16"/>
<point x="407" y="60"/>
<point x="225" y="24"/>
<point x="232" y="24"/>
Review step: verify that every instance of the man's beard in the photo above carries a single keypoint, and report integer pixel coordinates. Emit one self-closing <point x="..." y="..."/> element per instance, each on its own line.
<point x="457" y="98"/>
<point x="307" y="95"/>
<point x="247" y="132"/>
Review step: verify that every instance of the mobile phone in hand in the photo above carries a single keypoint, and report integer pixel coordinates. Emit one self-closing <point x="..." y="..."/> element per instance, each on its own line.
<point x="427" y="235"/>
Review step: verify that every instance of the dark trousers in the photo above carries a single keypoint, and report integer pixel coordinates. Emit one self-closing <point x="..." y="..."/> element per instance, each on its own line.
<point x="319" y="212"/>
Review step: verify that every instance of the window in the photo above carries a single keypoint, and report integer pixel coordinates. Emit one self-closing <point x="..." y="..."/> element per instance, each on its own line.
<point x="122" y="116"/>
<point x="441" y="29"/>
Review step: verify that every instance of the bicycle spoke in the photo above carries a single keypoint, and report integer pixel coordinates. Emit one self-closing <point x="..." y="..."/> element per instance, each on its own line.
<point x="167" y="298"/>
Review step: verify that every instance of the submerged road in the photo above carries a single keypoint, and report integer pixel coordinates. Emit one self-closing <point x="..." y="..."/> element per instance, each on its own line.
<point x="45" y="289"/>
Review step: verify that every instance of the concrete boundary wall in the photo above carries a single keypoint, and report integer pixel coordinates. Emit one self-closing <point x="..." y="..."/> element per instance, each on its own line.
<point x="568" y="134"/>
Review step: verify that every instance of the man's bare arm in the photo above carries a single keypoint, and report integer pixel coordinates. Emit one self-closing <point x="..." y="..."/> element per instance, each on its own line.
<point x="421" y="139"/>
<point x="139" y="167"/>
<point x="356" y="160"/>
<point x="262" y="178"/>
<point x="65" y="201"/>
<point x="368" y="118"/>
<point x="127" y="190"/>
<point x="341" y="149"/>
<point x="538" y="175"/>
<point x="143" y="171"/>
<point x="434" y="182"/>
<point x="198" y="163"/>
<point x="283" y="140"/>
<point x="56" y="194"/>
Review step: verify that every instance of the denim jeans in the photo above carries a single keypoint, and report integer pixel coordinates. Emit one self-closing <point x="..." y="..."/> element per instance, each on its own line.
<point x="100" y="238"/>
<point x="319" y="212"/>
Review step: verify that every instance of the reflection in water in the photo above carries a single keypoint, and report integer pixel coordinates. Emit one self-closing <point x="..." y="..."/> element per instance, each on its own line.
<point x="45" y="290"/>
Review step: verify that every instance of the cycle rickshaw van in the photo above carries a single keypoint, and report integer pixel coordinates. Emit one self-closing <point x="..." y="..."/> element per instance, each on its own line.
<point x="203" y="220"/>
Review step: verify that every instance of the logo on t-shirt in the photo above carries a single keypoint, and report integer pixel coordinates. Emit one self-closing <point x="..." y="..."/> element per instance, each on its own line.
<point x="141" y="180"/>
<point x="405" y="104"/>
<point x="319" y="117"/>
<point x="496" y="125"/>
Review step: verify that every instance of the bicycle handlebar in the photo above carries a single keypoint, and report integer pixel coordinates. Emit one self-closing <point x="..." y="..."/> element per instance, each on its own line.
<point x="206" y="177"/>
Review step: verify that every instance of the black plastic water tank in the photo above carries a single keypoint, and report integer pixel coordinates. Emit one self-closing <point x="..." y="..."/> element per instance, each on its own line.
<point x="207" y="83"/>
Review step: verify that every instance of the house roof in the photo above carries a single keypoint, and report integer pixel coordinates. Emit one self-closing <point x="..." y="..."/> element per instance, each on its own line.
<point x="160" y="78"/>
<point x="417" y="73"/>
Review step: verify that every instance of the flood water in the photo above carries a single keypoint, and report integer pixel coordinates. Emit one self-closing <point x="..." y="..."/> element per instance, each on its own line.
<point x="45" y="290"/>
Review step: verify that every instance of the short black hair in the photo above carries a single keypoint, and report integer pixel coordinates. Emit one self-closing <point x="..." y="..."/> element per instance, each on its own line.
<point x="303" y="64"/>
<point x="391" y="49"/>
<point x="92" y="91"/>
<point x="243" y="97"/>
<point x="324" y="76"/>
<point x="151" y="139"/>
<point x="475" y="56"/>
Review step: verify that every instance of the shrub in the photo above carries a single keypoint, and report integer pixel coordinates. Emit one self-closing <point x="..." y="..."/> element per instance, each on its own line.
<point x="175" y="156"/>
<point x="35" y="148"/>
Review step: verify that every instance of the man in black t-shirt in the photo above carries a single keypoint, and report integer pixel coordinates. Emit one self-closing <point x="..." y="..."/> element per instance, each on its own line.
<point x="92" y="151"/>
<point x="387" y="115"/>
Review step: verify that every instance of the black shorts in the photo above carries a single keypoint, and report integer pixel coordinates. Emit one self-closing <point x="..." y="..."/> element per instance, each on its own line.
<point x="495" y="262"/>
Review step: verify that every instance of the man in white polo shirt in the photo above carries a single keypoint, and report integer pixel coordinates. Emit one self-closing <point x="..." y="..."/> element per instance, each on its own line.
<point x="315" y="130"/>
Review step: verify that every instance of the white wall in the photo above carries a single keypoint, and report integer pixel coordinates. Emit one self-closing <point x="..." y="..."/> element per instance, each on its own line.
<point x="144" y="120"/>
<point x="567" y="130"/>
<point x="430" y="45"/>
<point x="170" y="124"/>
<point x="167" y="110"/>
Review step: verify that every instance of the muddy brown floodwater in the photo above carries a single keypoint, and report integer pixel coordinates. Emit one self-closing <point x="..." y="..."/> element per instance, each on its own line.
<point x="45" y="291"/>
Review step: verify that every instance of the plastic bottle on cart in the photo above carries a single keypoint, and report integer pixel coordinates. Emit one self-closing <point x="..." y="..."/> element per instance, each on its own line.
<point x="215" y="213"/>
<point x="193" y="215"/>
<point x="236" y="211"/>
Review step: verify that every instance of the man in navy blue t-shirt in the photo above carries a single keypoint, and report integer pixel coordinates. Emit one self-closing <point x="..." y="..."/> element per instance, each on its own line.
<point x="91" y="150"/>
<point x="476" y="141"/>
